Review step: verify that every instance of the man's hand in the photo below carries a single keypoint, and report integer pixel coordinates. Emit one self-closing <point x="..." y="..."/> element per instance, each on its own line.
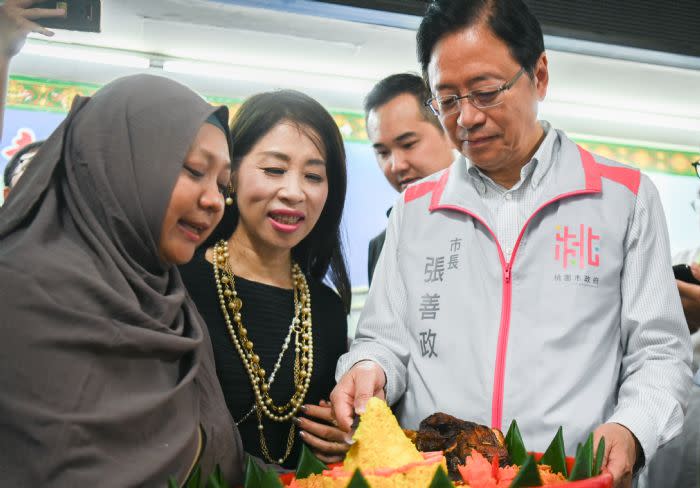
<point x="16" y="18"/>
<point x="317" y="428"/>
<point x="690" y="298"/>
<point x="621" y="449"/>
<point x="349" y="397"/>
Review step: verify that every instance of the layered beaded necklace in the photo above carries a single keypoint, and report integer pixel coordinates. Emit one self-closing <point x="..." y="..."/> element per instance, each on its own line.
<point x="300" y="328"/>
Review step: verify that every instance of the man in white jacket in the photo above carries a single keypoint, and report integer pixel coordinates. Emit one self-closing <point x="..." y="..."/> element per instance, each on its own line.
<point x="530" y="280"/>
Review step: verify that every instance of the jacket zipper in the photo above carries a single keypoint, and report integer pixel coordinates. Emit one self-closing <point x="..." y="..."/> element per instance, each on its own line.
<point x="504" y="327"/>
<point x="501" y="348"/>
<point x="502" y="344"/>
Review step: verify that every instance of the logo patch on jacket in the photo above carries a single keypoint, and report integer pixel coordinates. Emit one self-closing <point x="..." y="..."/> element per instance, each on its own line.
<point x="577" y="247"/>
<point x="577" y="251"/>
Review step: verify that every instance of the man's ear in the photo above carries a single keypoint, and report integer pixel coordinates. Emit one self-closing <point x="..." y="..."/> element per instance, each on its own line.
<point x="541" y="76"/>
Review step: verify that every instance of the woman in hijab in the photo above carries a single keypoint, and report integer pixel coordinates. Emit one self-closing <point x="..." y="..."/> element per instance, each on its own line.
<point x="106" y="371"/>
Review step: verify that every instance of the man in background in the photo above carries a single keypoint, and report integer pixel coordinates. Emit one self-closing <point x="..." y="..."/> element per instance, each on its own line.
<point x="408" y="140"/>
<point x="690" y="293"/>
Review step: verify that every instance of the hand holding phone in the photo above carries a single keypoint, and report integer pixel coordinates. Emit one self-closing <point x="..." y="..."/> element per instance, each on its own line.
<point x="684" y="273"/>
<point x="17" y="19"/>
<point x="81" y="15"/>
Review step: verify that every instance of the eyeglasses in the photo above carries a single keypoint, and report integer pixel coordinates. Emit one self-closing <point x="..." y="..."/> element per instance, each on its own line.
<point x="696" y="166"/>
<point x="486" y="97"/>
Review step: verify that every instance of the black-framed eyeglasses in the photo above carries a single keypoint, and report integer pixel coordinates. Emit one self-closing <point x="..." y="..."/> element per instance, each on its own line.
<point x="696" y="166"/>
<point x="486" y="97"/>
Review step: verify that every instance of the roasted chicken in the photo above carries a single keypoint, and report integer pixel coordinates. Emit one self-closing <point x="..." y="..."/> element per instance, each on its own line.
<point x="456" y="438"/>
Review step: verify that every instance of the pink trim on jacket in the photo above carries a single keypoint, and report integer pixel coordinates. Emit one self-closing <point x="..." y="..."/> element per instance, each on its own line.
<point x="418" y="190"/>
<point x="439" y="188"/>
<point x="504" y="327"/>
<point x="629" y="177"/>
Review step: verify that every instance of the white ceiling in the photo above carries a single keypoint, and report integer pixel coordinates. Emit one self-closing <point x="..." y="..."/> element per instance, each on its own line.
<point x="588" y="95"/>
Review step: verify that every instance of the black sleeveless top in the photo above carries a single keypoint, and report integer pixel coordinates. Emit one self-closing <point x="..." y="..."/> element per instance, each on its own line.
<point x="267" y="313"/>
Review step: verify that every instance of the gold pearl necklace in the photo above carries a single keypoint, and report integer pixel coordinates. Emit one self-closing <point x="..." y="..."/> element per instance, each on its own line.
<point x="303" y="347"/>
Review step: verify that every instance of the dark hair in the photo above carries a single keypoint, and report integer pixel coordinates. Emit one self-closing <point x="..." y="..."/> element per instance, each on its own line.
<point x="509" y="20"/>
<point x="321" y="252"/>
<point x="14" y="161"/>
<point x="394" y="85"/>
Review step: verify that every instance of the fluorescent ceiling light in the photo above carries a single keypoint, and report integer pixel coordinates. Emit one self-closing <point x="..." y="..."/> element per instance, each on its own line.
<point x="85" y="54"/>
<point x="271" y="76"/>
<point x="626" y="53"/>
<point x="619" y="115"/>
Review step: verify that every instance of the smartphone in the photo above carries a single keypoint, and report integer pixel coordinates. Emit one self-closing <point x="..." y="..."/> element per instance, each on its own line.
<point x="682" y="272"/>
<point x="81" y="15"/>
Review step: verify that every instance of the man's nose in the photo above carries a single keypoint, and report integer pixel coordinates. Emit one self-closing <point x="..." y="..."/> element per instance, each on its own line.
<point x="469" y="116"/>
<point x="399" y="162"/>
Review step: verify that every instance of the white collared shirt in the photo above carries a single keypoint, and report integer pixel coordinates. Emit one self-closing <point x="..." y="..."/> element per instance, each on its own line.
<point x="510" y="208"/>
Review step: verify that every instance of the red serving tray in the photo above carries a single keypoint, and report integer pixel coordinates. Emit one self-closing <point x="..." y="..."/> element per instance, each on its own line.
<point x="604" y="480"/>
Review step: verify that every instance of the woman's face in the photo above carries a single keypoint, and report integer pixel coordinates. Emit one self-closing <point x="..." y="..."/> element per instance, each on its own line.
<point x="197" y="201"/>
<point x="281" y="188"/>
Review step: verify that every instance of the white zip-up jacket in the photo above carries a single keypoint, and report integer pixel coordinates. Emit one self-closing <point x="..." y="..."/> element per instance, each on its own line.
<point x="581" y="326"/>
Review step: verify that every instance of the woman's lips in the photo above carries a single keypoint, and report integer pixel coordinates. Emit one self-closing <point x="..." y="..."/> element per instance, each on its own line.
<point x="286" y="221"/>
<point x="192" y="232"/>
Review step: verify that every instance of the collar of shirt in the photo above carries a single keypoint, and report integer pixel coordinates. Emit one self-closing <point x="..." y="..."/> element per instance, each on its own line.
<point x="537" y="167"/>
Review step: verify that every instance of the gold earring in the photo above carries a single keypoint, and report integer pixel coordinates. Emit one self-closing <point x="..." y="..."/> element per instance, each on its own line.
<point x="229" y="198"/>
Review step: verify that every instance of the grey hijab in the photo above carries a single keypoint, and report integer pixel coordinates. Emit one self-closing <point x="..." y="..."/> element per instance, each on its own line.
<point x="106" y="368"/>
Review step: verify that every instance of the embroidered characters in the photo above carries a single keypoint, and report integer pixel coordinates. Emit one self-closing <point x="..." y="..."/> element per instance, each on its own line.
<point x="435" y="276"/>
<point x="434" y="269"/>
<point x="429" y="306"/>
<point x="427" y="343"/>
<point x="577" y="250"/>
<point x="572" y="249"/>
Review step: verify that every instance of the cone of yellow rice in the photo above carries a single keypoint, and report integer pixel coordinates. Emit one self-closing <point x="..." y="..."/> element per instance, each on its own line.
<point x="382" y="453"/>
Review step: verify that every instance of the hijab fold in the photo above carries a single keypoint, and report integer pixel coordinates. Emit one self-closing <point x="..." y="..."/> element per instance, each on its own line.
<point x="106" y="368"/>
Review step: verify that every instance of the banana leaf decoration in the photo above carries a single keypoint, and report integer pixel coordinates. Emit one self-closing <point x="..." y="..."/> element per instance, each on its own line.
<point x="308" y="464"/>
<point x="528" y="475"/>
<point x="257" y="477"/>
<point x="583" y="464"/>
<point x="358" y="481"/>
<point x="441" y="480"/>
<point x="216" y="479"/>
<point x="193" y="481"/>
<point x="555" y="456"/>
<point x="515" y="445"/>
<point x="586" y="465"/>
<point x="600" y="452"/>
